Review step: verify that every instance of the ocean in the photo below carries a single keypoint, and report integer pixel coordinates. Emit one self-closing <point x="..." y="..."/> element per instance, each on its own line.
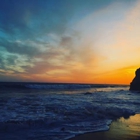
<point x="46" y="111"/>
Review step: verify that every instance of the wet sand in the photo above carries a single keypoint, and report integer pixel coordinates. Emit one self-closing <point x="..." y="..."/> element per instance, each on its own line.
<point x="122" y="129"/>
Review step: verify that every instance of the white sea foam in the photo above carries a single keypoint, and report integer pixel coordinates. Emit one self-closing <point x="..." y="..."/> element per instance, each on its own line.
<point x="60" y="116"/>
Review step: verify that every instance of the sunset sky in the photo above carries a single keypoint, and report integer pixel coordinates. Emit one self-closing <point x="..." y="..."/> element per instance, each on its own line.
<point x="80" y="41"/>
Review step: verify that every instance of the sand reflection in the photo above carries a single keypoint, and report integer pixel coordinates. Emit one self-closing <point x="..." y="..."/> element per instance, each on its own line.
<point x="122" y="129"/>
<point x="128" y="129"/>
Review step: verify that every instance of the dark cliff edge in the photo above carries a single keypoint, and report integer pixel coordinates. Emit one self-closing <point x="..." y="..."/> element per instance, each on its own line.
<point x="135" y="84"/>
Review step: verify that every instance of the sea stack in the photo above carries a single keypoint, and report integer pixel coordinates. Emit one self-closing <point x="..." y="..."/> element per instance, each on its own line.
<point x="135" y="84"/>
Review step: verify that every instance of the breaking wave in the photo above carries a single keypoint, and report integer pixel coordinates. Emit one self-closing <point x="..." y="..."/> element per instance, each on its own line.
<point x="60" y="116"/>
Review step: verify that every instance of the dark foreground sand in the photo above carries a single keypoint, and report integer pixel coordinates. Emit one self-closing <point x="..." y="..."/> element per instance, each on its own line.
<point x="122" y="129"/>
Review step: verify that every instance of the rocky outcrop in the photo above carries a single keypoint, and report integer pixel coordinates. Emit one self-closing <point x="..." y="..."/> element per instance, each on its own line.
<point x="87" y="93"/>
<point x="135" y="84"/>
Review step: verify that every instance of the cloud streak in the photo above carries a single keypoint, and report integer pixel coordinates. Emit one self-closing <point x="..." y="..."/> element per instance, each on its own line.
<point x="66" y="41"/>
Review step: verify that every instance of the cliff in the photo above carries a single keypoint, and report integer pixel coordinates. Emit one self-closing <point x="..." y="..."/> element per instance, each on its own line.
<point x="135" y="84"/>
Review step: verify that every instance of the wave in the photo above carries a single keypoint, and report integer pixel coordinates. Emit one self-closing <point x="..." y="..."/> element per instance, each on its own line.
<point x="53" y="86"/>
<point x="44" y="86"/>
<point x="56" y="86"/>
<point x="64" y="124"/>
<point x="61" y="116"/>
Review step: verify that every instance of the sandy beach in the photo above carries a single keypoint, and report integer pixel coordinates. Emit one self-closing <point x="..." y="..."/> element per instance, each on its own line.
<point x="121" y="129"/>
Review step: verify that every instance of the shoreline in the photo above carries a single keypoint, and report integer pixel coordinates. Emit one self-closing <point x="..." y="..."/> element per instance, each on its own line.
<point x="121" y="129"/>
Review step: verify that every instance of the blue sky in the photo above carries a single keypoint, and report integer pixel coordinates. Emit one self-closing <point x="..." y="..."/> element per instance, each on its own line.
<point x="63" y="40"/>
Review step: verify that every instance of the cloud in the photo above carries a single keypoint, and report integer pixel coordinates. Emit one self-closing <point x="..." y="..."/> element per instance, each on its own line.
<point x="64" y="40"/>
<point x="126" y="43"/>
<point x="30" y="19"/>
<point x="107" y="31"/>
<point x="18" y="47"/>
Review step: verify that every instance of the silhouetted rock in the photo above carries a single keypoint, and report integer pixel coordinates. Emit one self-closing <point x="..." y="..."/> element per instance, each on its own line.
<point x="88" y="93"/>
<point x="135" y="84"/>
<point x="62" y="129"/>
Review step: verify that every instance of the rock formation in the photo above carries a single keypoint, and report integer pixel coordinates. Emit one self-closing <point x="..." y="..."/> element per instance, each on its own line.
<point x="135" y="84"/>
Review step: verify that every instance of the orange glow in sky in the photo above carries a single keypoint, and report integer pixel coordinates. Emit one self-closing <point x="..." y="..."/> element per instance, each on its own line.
<point x="88" y="42"/>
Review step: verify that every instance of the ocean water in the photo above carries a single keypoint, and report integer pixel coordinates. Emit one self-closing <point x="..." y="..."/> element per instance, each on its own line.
<point x="39" y="111"/>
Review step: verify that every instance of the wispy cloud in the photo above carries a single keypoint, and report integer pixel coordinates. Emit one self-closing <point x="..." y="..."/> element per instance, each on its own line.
<point x="72" y="41"/>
